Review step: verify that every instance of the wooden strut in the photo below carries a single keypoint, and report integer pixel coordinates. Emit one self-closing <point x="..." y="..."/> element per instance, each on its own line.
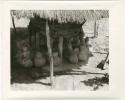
<point x="50" y="54"/>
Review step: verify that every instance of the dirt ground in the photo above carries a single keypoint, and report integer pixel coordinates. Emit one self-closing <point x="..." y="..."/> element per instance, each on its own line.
<point x="67" y="77"/>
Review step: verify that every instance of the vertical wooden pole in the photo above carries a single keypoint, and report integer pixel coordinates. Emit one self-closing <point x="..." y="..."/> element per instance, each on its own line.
<point x="30" y="39"/>
<point x="60" y="46"/>
<point x="37" y="41"/>
<point x="81" y="36"/>
<point x="13" y="23"/>
<point x="50" y="54"/>
<point x="70" y="44"/>
<point x="95" y="30"/>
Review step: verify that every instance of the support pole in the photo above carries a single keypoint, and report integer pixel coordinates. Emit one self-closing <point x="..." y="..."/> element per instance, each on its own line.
<point x="13" y="23"/>
<point x="81" y="37"/>
<point x="60" y="46"/>
<point x="50" y="54"/>
<point x="37" y="41"/>
<point x="82" y="34"/>
<point x="95" y="30"/>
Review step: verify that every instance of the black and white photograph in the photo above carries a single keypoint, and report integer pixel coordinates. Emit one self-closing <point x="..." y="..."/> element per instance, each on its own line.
<point x="62" y="50"/>
<point x="59" y="50"/>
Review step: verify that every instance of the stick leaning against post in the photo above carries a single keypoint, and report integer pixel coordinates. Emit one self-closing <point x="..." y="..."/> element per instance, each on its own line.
<point x="50" y="53"/>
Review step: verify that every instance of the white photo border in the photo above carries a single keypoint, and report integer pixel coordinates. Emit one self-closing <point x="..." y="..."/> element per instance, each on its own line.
<point x="115" y="47"/>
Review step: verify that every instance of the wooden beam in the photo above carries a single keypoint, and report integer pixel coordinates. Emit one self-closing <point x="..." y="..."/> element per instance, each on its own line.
<point x="50" y="54"/>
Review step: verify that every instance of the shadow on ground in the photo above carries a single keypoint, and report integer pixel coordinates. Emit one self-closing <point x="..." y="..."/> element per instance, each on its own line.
<point x="21" y="74"/>
<point x="97" y="81"/>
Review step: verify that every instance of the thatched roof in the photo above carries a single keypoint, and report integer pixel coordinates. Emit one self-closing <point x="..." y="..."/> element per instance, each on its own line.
<point x="63" y="15"/>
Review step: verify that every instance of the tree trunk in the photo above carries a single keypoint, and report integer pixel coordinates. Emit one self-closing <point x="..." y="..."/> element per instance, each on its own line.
<point x="50" y="53"/>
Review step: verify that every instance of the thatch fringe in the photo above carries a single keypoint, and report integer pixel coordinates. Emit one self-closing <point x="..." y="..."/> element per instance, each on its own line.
<point x="63" y="15"/>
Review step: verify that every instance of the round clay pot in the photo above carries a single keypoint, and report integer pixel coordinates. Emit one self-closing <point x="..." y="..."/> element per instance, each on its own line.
<point x="55" y="54"/>
<point x="83" y="54"/>
<point x="76" y="50"/>
<point x="27" y="63"/>
<point x="39" y="60"/>
<point x="56" y="59"/>
<point x="73" y="58"/>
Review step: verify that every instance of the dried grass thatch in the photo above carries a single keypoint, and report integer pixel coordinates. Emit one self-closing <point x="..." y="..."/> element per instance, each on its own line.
<point x="63" y="15"/>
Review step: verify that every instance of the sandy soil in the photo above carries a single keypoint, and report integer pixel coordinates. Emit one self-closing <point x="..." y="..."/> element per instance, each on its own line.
<point x="72" y="80"/>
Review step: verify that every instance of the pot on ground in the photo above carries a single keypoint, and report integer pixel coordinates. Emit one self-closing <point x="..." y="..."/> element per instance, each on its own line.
<point x="73" y="58"/>
<point x="27" y="63"/>
<point x="39" y="60"/>
<point x="56" y="59"/>
<point x="83" y="54"/>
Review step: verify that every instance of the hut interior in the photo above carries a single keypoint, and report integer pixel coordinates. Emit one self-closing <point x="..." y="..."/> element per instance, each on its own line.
<point x="65" y="38"/>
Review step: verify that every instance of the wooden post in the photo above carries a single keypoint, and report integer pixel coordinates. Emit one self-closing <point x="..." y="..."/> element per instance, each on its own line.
<point x="37" y="41"/>
<point x="30" y="36"/>
<point x="70" y="44"/>
<point x="95" y="30"/>
<point x="50" y="53"/>
<point x="81" y="36"/>
<point x="60" y="46"/>
<point x="13" y="23"/>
